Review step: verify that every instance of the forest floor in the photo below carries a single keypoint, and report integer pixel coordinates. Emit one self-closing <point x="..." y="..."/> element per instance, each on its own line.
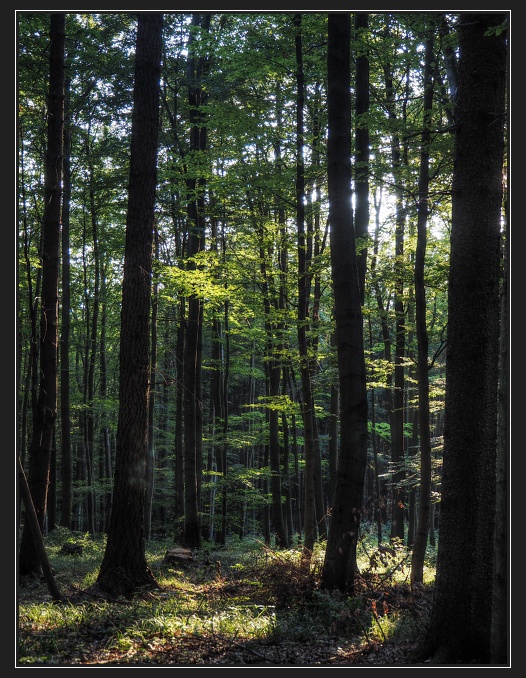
<point x="261" y="608"/>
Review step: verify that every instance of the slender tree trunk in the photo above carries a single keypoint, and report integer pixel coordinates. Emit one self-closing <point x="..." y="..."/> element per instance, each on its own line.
<point x="424" y="424"/>
<point x="197" y="69"/>
<point x="272" y="381"/>
<point x="361" y="217"/>
<point x="374" y="445"/>
<point x="106" y="465"/>
<point x="92" y="354"/>
<point x="314" y="248"/>
<point x="397" y="411"/>
<point x="224" y="447"/>
<point x="150" y="460"/>
<point x="283" y="259"/>
<point x="65" y="413"/>
<point x="307" y="401"/>
<point x="30" y="385"/>
<point x="219" y="386"/>
<point x="179" y="507"/>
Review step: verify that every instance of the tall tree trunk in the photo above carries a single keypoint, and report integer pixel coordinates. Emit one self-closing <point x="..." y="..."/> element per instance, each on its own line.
<point x="374" y="445"/>
<point x="224" y="432"/>
<point x="106" y="465"/>
<point x="315" y="245"/>
<point x="397" y="411"/>
<point x="307" y="401"/>
<point x="179" y="507"/>
<point x="272" y="392"/>
<point x="193" y="431"/>
<point x="30" y="386"/>
<point x="339" y="567"/>
<point x="465" y="560"/>
<point x="150" y="460"/>
<point x="92" y="355"/>
<point x="65" y="325"/>
<point x="219" y="383"/>
<point x="383" y="309"/>
<point x="424" y="424"/>
<point x="45" y="412"/>
<point x="361" y="215"/>
<point x="283" y="259"/>
<point x="500" y="615"/>
<point x="124" y="569"/>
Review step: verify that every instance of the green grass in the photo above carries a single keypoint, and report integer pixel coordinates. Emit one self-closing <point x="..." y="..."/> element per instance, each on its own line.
<point x="258" y="606"/>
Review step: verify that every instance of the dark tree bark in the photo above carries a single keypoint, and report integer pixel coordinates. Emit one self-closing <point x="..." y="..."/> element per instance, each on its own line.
<point x="500" y="609"/>
<point x="461" y="621"/>
<point x="124" y="569"/>
<point x="92" y="353"/>
<point x="307" y="402"/>
<point x="398" y="496"/>
<point x="193" y="425"/>
<point x="339" y="567"/>
<point x="27" y="362"/>
<point x="333" y="441"/>
<point x="361" y="215"/>
<point x="272" y="386"/>
<point x="219" y="389"/>
<point x="424" y="425"/>
<point x="150" y="460"/>
<point x="386" y="340"/>
<point x="105" y="461"/>
<point x="65" y="414"/>
<point x="45" y="412"/>
<point x="399" y="158"/>
<point x="179" y="428"/>
<point x="374" y="445"/>
<point x="282" y="306"/>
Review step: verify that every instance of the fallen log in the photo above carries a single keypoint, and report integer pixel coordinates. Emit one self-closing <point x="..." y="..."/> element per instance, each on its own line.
<point x="178" y="556"/>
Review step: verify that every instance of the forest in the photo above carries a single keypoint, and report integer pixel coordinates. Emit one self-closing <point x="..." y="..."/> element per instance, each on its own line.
<point x="262" y="342"/>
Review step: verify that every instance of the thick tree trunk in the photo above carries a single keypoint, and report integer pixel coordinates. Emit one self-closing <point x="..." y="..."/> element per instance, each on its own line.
<point x="500" y="611"/>
<point x="464" y="577"/>
<point x="124" y="569"/>
<point x="339" y="567"/>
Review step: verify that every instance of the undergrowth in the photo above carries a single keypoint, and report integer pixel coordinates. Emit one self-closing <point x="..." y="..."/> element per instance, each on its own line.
<point x="246" y="603"/>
